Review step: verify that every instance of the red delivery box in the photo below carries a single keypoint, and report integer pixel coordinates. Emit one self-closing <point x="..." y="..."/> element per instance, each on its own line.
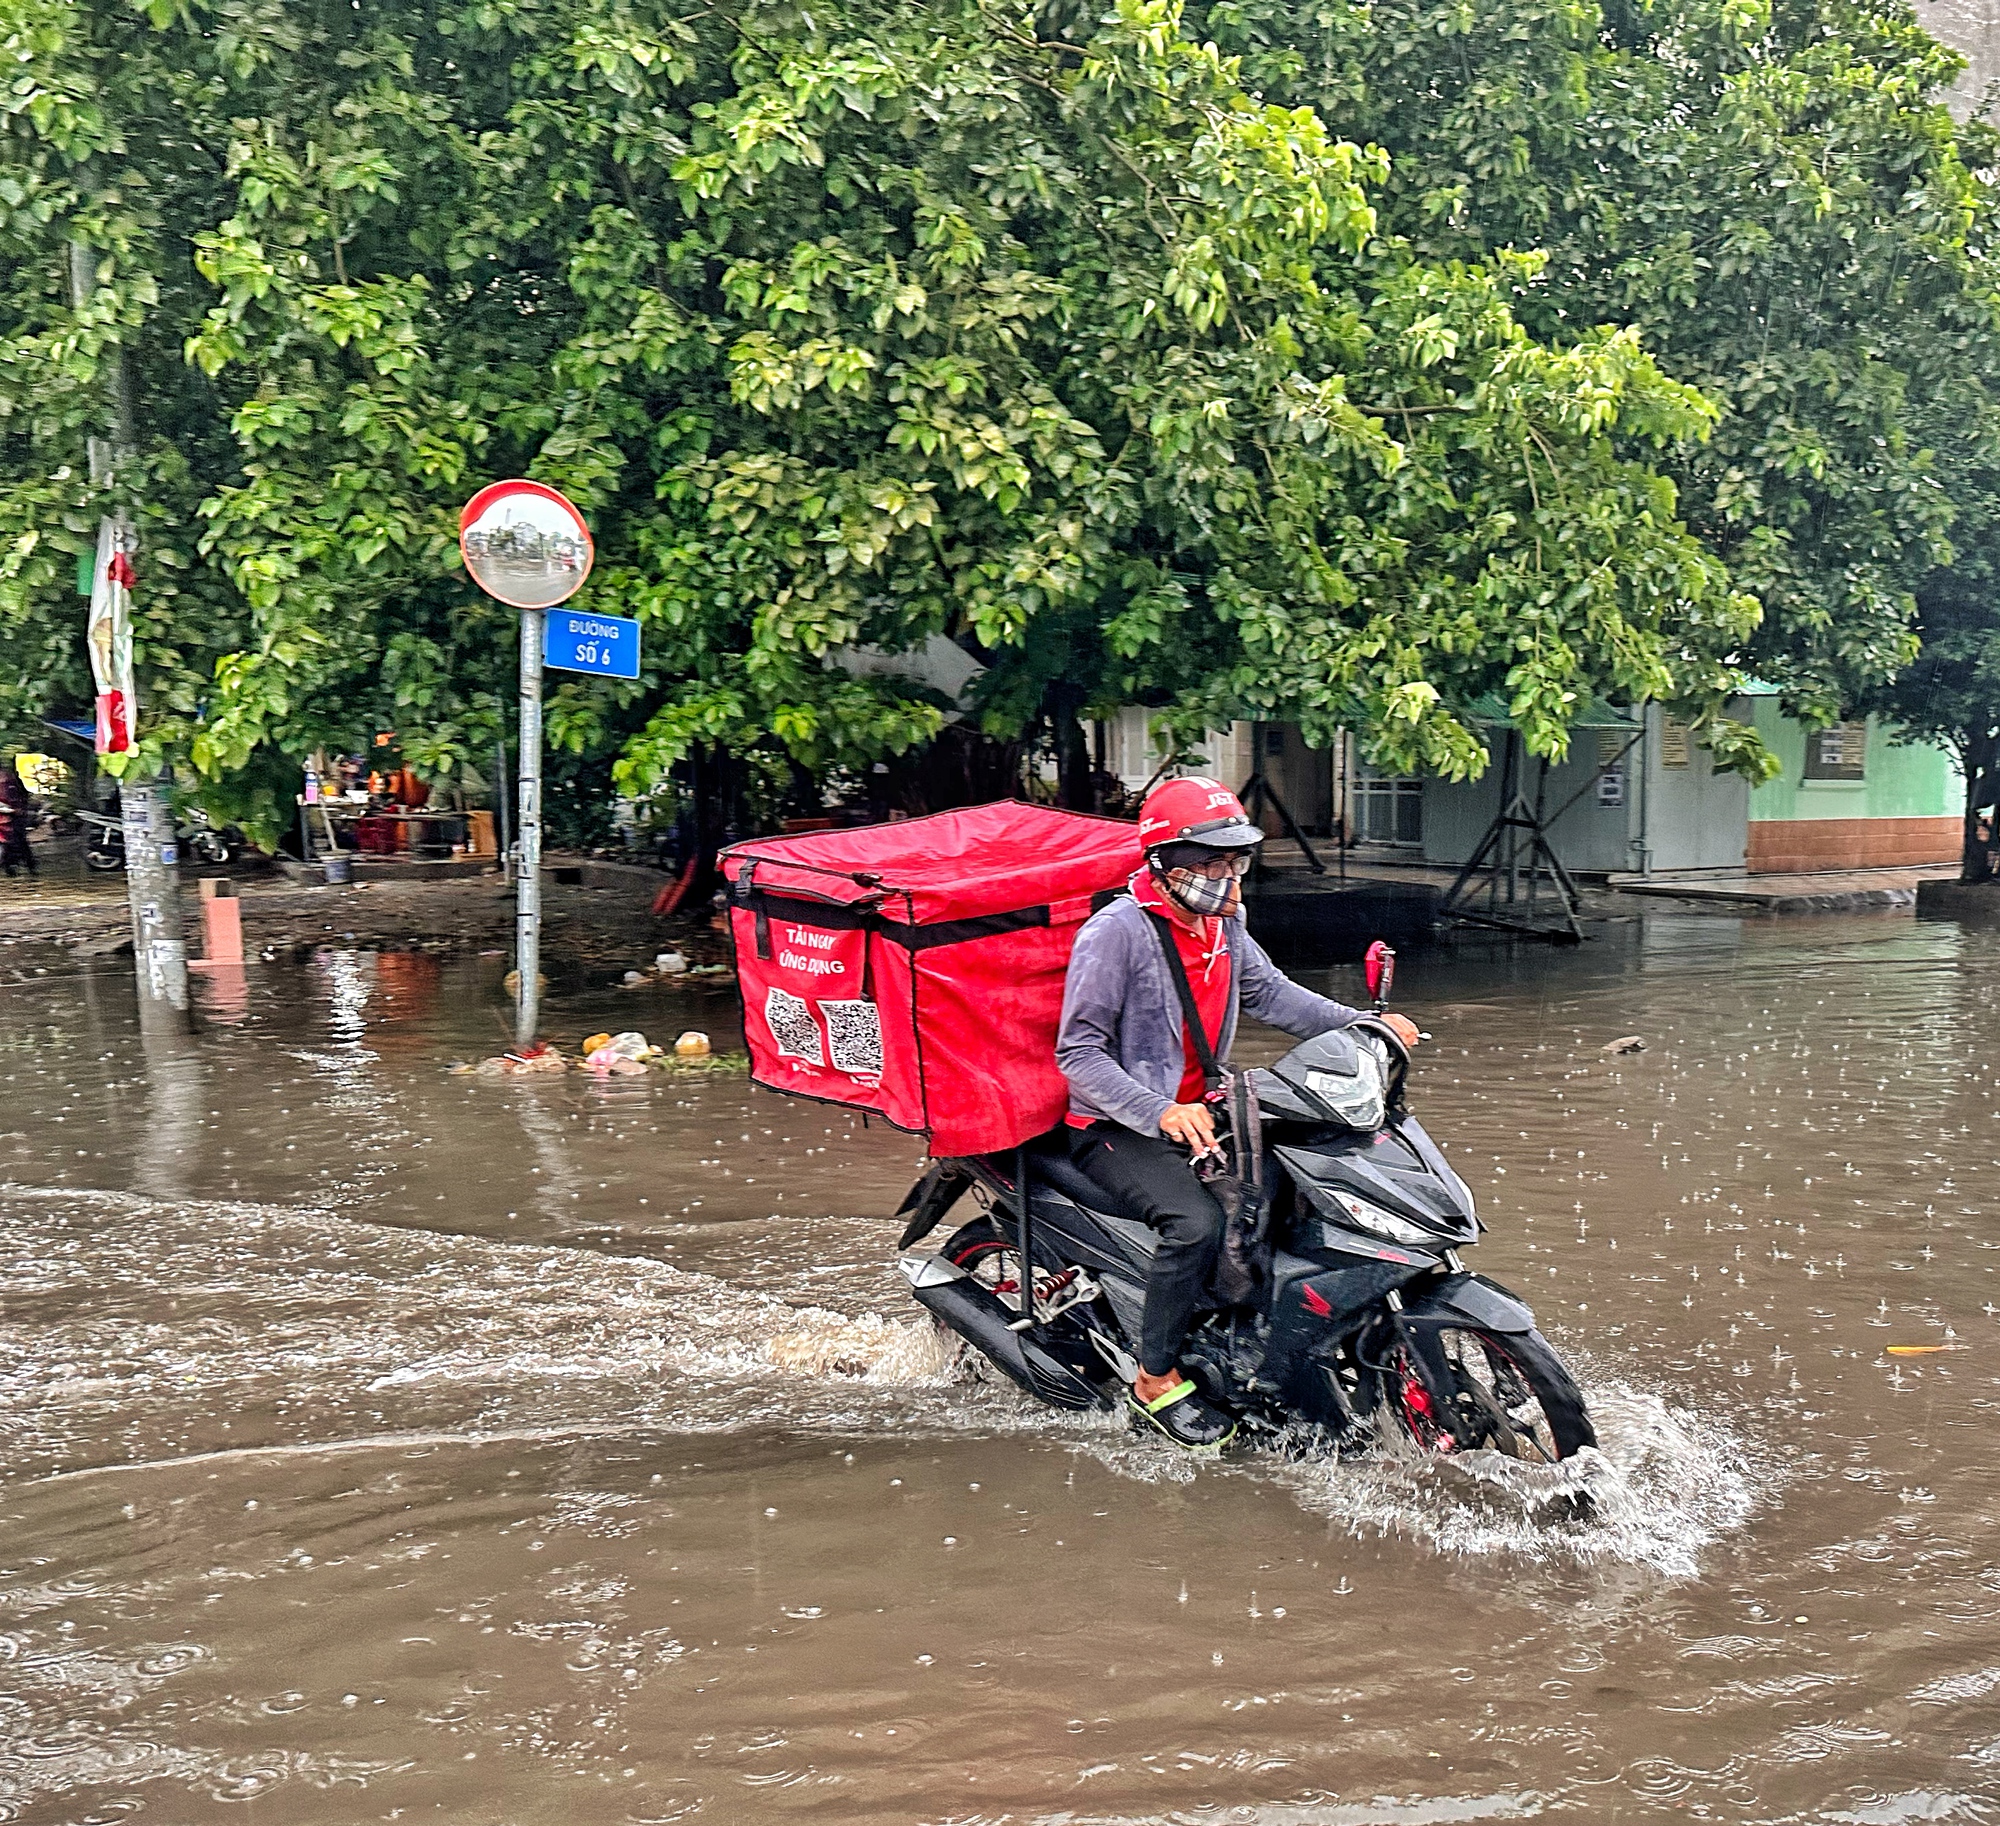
<point x="916" y="969"/>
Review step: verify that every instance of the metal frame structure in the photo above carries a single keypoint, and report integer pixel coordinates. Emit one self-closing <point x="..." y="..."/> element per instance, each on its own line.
<point x="1258" y="792"/>
<point x="1515" y="854"/>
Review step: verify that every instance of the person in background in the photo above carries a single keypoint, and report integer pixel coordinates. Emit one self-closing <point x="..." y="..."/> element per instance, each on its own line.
<point x="16" y="811"/>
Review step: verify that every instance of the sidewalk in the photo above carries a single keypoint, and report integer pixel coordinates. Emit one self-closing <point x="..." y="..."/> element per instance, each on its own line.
<point x="596" y="915"/>
<point x="1830" y="891"/>
<point x="1282" y="857"/>
<point x="1835" y="891"/>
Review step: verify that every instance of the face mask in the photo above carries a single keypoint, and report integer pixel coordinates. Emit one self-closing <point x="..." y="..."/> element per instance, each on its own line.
<point x="1203" y="896"/>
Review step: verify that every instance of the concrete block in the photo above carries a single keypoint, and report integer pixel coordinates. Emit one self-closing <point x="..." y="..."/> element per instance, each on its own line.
<point x="222" y="928"/>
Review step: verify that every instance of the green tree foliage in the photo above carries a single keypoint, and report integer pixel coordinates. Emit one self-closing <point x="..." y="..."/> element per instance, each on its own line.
<point x="844" y="327"/>
<point x="1950" y="694"/>
<point x="1774" y="195"/>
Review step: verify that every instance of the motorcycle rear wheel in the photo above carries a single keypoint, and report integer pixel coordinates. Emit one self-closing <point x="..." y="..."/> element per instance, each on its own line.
<point x="990" y="1258"/>
<point x="105" y="862"/>
<point x="1510" y="1393"/>
<point x="993" y="1260"/>
<point x="985" y="1250"/>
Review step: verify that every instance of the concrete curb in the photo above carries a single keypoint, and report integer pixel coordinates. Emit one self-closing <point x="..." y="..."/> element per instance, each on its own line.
<point x="1771" y="904"/>
<point x="1972" y="900"/>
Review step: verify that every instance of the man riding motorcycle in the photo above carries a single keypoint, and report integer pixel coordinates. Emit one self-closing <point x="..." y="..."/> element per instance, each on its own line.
<point x="1138" y="1080"/>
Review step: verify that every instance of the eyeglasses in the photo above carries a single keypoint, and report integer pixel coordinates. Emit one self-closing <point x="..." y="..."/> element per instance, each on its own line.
<point x="1217" y="867"/>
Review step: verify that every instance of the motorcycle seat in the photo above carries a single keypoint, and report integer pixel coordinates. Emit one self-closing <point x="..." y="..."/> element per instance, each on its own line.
<point x="1051" y="1169"/>
<point x="1049" y="1162"/>
<point x="1051" y="1166"/>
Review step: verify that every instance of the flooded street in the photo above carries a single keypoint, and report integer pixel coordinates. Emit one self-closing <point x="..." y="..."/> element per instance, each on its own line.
<point x="384" y="1444"/>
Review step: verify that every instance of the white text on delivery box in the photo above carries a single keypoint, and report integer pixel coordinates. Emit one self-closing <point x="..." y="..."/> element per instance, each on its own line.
<point x="812" y="966"/>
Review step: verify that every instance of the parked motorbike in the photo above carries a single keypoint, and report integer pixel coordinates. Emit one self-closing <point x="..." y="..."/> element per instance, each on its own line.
<point x="1367" y="1320"/>
<point x="195" y="833"/>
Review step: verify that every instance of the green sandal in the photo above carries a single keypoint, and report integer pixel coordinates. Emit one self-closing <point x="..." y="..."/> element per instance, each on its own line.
<point x="1182" y="1416"/>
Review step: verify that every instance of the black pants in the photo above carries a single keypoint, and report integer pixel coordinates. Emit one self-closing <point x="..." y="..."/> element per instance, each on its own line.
<point x="1150" y="1179"/>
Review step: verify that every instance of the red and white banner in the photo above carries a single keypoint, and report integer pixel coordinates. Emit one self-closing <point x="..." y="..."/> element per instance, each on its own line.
<point x="110" y="636"/>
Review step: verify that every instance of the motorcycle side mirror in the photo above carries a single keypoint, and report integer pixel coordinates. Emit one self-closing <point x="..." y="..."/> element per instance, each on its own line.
<point x="1378" y="968"/>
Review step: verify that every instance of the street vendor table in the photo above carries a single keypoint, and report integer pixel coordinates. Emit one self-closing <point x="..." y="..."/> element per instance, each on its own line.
<point x="423" y="836"/>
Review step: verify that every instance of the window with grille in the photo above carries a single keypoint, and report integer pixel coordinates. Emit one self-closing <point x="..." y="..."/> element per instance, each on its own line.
<point x="1388" y="810"/>
<point x="1838" y="753"/>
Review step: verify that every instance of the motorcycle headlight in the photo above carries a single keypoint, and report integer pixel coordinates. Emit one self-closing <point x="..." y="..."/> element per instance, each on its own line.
<point x="1360" y="1101"/>
<point x="1378" y="1222"/>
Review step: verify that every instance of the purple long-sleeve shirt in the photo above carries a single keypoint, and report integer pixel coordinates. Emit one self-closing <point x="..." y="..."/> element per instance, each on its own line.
<point x="1122" y="1042"/>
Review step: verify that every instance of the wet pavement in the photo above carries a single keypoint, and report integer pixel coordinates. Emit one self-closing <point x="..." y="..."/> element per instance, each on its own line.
<point x="591" y="933"/>
<point x="382" y="1444"/>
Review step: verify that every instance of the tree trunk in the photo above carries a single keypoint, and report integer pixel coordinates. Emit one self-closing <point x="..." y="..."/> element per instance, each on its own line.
<point x="962" y="767"/>
<point x="1073" y="783"/>
<point x="715" y="780"/>
<point x="1982" y="759"/>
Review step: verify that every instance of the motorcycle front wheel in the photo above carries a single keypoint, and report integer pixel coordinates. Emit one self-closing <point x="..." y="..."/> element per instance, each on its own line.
<point x="105" y="862"/>
<point x="1506" y="1392"/>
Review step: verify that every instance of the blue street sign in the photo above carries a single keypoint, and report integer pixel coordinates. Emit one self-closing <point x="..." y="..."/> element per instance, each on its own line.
<point x="605" y="644"/>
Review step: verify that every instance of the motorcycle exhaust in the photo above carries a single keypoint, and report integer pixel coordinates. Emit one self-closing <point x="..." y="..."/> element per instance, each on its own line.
<point x="955" y="1299"/>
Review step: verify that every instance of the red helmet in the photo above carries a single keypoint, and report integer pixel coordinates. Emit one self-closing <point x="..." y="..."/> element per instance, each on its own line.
<point x="1195" y="810"/>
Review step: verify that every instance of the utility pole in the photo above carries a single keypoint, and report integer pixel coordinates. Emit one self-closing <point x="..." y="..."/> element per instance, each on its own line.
<point x="159" y="945"/>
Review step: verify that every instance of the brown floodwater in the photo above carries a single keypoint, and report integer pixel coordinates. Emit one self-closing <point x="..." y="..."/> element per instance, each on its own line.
<point x="381" y="1444"/>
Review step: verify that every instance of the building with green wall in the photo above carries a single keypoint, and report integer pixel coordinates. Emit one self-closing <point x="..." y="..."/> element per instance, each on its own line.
<point x="1850" y="797"/>
<point x="1635" y="795"/>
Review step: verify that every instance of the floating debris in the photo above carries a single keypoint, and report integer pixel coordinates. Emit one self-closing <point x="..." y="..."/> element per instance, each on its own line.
<point x="606" y="1055"/>
<point x="532" y="1059"/>
<point x="621" y="1055"/>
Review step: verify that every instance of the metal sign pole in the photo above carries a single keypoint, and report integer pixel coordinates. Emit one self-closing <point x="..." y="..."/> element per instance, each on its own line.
<point x="526" y="546"/>
<point x="528" y="873"/>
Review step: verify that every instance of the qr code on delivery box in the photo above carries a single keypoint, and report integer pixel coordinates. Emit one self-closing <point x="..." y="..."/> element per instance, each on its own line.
<point x="793" y="1030"/>
<point x="855" y="1030"/>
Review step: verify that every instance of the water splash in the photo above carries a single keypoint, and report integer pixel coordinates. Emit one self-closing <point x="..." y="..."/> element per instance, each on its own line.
<point x="864" y="1345"/>
<point x="1663" y="1484"/>
<point x="280" y="1328"/>
<point x="392" y="1332"/>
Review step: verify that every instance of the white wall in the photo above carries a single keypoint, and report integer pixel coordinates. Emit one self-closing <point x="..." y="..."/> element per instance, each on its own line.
<point x="1130" y="753"/>
<point x="1232" y="753"/>
<point x="1694" y="817"/>
<point x="1691" y="817"/>
<point x="1128" y="748"/>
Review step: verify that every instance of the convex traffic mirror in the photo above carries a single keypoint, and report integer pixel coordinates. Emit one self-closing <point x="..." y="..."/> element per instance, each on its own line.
<point x="525" y="545"/>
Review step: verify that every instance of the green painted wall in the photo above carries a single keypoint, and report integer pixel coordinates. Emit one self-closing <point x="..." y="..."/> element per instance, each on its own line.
<point x="1903" y="780"/>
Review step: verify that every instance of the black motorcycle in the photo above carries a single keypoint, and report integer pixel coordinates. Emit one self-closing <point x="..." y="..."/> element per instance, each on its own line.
<point x="1364" y="1319"/>
<point x="195" y="832"/>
